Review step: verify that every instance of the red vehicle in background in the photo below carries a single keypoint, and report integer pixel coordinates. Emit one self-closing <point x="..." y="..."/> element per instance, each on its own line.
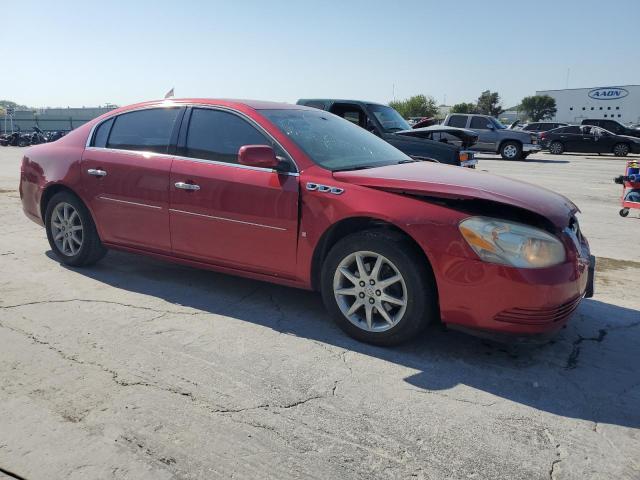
<point x="301" y="197"/>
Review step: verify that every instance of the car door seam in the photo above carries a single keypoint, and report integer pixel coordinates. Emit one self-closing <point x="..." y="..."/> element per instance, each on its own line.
<point x="226" y="219"/>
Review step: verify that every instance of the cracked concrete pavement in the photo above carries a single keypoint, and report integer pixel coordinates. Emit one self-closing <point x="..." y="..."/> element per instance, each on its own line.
<point x="140" y="369"/>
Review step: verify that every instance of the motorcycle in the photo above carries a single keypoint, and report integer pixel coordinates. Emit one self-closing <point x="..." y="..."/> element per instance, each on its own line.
<point x="37" y="137"/>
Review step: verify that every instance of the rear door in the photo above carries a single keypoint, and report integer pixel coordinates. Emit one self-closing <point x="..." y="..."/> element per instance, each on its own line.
<point x="125" y="173"/>
<point x="230" y="214"/>
<point x="570" y="137"/>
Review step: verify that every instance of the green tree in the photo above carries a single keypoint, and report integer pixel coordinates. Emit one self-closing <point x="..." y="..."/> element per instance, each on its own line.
<point x="464" y="108"/>
<point x="416" y="106"/>
<point x="489" y="103"/>
<point x="9" y="104"/>
<point x="539" y="107"/>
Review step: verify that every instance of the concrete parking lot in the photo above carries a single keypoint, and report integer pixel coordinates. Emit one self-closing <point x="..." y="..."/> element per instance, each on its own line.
<point x="139" y="369"/>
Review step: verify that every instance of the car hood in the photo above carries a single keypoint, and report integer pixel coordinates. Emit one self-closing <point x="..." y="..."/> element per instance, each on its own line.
<point x="448" y="182"/>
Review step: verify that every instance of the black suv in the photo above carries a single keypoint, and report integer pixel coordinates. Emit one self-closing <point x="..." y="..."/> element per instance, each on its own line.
<point x="612" y="126"/>
<point x="389" y="125"/>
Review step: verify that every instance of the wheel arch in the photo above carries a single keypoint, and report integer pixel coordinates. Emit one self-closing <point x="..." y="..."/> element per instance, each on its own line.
<point x="509" y="140"/>
<point x="350" y="225"/>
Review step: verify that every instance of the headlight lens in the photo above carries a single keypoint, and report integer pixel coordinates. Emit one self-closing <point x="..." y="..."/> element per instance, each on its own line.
<point x="510" y="243"/>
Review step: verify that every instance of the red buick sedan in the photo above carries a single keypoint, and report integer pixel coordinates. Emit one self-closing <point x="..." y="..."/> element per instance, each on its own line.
<point x="301" y="197"/>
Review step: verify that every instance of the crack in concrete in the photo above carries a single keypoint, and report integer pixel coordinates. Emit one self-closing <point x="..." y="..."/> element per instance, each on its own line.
<point x="168" y="461"/>
<point x="115" y="376"/>
<point x="108" y="302"/>
<point x="431" y="392"/>
<point x="9" y="473"/>
<point x="572" y="360"/>
<point x="558" y="459"/>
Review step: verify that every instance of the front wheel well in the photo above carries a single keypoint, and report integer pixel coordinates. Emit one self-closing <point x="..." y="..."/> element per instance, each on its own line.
<point x="349" y="226"/>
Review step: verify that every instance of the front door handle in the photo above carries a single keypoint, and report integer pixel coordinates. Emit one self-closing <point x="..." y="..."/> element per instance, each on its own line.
<point x="96" y="172"/>
<point x="187" y="186"/>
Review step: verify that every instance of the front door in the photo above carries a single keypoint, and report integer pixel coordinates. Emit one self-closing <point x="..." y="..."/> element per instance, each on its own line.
<point x="230" y="214"/>
<point x="487" y="136"/>
<point x="125" y="174"/>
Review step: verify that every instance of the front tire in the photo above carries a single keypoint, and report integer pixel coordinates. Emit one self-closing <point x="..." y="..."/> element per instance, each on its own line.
<point x="378" y="288"/>
<point x="621" y="150"/>
<point x="511" y="151"/>
<point x="71" y="232"/>
<point x="556" y="148"/>
<point x="624" y="212"/>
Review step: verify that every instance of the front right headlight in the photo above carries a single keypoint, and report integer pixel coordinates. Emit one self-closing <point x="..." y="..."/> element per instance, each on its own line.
<point x="511" y="243"/>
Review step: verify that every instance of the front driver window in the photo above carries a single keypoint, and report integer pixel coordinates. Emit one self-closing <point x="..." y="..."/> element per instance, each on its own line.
<point x="218" y="135"/>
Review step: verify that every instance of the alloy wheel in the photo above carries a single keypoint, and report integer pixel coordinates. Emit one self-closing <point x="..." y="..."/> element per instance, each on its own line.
<point x="621" y="150"/>
<point x="370" y="291"/>
<point x="66" y="228"/>
<point x="555" y="148"/>
<point x="510" y="151"/>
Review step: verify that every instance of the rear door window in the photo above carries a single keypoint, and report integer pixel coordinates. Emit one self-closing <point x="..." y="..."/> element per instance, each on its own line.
<point x="459" y="121"/>
<point x="574" y="129"/>
<point x="146" y="130"/>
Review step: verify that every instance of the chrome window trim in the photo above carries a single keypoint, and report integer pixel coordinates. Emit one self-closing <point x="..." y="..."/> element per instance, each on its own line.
<point x="146" y="107"/>
<point x="225" y="219"/>
<point x="198" y="105"/>
<point x="130" y="203"/>
<point x="236" y="165"/>
<point x="192" y="159"/>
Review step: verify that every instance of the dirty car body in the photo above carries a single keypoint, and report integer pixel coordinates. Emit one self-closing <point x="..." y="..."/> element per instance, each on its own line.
<point x="296" y="196"/>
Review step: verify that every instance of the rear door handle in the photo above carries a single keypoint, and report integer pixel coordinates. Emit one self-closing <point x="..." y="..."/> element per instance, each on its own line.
<point x="96" y="172"/>
<point x="187" y="186"/>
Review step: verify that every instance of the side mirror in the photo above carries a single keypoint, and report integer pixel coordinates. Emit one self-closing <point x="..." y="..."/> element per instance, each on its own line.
<point x="261" y="156"/>
<point x="490" y="126"/>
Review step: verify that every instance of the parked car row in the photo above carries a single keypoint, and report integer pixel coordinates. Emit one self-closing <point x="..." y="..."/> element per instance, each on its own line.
<point x="297" y="196"/>
<point x="594" y="135"/>
<point x="25" y="139"/>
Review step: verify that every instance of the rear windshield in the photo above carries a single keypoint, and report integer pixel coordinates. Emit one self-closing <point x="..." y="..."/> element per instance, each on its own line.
<point x="333" y="142"/>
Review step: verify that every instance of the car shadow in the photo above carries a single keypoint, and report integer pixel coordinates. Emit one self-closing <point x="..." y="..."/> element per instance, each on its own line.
<point x="590" y="371"/>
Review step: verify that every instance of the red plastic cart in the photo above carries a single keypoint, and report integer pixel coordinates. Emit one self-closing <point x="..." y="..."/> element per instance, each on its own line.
<point x="632" y="168"/>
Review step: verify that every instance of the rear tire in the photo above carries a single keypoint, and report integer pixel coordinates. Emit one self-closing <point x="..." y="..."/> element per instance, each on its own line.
<point x="556" y="148"/>
<point x="383" y="303"/>
<point x="71" y="232"/>
<point x="511" y="151"/>
<point x="621" y="149"/>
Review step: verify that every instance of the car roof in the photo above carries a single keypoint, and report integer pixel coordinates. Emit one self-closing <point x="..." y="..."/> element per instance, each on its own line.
<point x="227" y="102"/>
<point x="340" y="100"/>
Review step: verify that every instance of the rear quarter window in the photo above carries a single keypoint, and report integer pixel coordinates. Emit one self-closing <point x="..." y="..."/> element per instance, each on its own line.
<point x="102" y="134"/>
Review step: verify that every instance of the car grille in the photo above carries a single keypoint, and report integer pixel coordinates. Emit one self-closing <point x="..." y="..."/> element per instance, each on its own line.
<point x="538" y="316"/>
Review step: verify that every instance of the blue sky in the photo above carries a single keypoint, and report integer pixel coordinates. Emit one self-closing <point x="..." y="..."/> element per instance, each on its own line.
<point x="74" y="53"/>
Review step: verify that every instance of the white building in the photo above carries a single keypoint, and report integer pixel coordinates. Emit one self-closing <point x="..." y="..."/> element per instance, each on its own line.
<point x="620" y="103"/>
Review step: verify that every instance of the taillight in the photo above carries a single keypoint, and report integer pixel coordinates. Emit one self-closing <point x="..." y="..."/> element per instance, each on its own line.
<point x="464" y="156"/>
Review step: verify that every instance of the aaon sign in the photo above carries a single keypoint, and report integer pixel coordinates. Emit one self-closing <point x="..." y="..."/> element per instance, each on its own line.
<point x="608" y="93"/>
